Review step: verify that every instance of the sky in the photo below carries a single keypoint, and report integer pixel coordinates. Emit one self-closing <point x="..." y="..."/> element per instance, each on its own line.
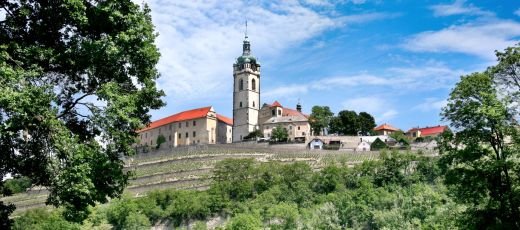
<point x="397" y="60"/>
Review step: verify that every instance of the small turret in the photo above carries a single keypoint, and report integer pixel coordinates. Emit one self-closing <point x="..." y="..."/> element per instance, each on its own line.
<point x="299" y="107"/>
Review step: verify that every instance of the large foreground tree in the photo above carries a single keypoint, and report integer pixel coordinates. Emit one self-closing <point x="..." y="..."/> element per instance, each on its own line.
<point x="77" y="79"/>
<point x="481" y="158"/>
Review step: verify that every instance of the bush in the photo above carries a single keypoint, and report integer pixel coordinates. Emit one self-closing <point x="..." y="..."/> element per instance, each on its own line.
<point x="160" y="139"/>
<point x="378" y="144"/>
<point x="244" y="222"/>
<point x="17" y="184"/>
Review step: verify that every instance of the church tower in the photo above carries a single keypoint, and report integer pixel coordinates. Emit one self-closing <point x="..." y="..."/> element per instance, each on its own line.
<point x="246" y="93"/>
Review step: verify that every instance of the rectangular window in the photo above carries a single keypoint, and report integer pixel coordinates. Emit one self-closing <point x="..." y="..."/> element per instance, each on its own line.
<point x="179" y="136"/>
<point x="194" y="134"/>
<point x="187" y="135"/>
<point x="169" y="137"/>
<point x="146" y="135"/>
<point x="180" y="125"/>
<point x="170" y="126"/>
<point x="194" y="123"/>
<point x="187" y="124"/>
<point x="298" y="127"/>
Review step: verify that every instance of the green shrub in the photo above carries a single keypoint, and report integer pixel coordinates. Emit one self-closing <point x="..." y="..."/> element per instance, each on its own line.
<point x="378" y="144"/>
<point x="17" y="184"/>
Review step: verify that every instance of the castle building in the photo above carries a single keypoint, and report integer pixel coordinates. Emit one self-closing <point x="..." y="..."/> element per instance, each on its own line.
<point x="191" y="127"/>
<point x="246" y="93"/>
<point x="294" y="121"/>
<point x="247" y="115"/>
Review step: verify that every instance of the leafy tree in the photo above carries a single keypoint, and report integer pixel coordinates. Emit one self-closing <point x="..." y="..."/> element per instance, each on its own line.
<point x="279" y="134"/>
<point x="283" y="216"/>
<point x="244" y="222"/>
<point x="378" y="144"/>
<point x="478" y="160"/>
<point x="42" y="219"/>
<point x="400" y="137"/>
<point x="17" y="184"/>
<point x="366" y="123"/>
<point x="350" y="123"/>
<point x="325" y="217"/>
<point x="160" y="139"/>
<point x="320" y="118"/>
<point x="506" y="74"/>
<point x="232" y="178"/>
<point x="78" y="79"/>
<point x="254" y="134"/>
<point x="347" y="123"/>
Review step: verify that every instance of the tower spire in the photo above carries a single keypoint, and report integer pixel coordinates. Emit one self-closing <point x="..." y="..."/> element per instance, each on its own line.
<point x="246" y="30"/>
<point x="246" y="48"/>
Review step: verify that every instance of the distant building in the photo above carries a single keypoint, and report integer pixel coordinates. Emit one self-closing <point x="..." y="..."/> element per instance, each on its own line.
<point x="385" y="129"/>
<point x="196" y="126"/>
<point x="426" y="131"/>
<point x="363" y="146"/>
<point x="294" y="121"/>
<point x="316" y="144"/>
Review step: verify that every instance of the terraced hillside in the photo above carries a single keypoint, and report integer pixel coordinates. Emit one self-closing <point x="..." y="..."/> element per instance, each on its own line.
<point x="191" y="167"/>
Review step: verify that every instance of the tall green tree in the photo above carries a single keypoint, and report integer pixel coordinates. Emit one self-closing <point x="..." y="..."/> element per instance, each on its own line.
<point x="480" y="158"/>
<point x="348" y="122"/>
<point x="366" y="123"/>
<point x="279" y="133"/>
<point x="77" y="81"/>
<point x="320" y="118"/>
<point x="506" y="74"/>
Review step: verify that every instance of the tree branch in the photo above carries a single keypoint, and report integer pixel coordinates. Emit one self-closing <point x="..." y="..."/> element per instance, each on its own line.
<point x="67" y="110"/>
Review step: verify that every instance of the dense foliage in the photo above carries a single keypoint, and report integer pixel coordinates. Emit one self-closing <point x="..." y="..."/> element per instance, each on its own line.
<point x="398" y="191"/>
<point x="77" y="81"/>
<point x="319" y="119"/>
<point x="279" y="134"/>
<point x="480" y="158"/>
<point x="351" y="123"/>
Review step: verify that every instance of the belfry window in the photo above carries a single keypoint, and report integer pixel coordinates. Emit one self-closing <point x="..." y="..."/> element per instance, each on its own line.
<point x="240" y="104"/>
<point x="253" y="104"/>
<point x="253" y="85"/>
<point x="241" y="85"/>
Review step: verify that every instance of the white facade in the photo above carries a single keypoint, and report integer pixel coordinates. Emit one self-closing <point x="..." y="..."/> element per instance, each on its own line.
<point x="246" y="94"/>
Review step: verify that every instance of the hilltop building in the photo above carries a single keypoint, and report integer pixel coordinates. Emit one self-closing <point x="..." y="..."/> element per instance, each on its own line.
<point x="426" y="131"/>
<point x="294" y="121"/>
<point x="247" y="115"/>
<point x="196" y="126"/>
<point x="246" y="93"/>
<point x="385" y="129"/>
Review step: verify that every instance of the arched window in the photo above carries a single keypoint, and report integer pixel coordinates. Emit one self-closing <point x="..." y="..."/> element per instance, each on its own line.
<point x="240" y="104"/>
<point x="241" y="85"/>
<point x="253" y="102"/>
<point x="254" y="85"/>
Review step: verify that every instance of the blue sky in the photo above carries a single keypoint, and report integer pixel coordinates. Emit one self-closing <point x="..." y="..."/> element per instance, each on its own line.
<point x="397" y="59"/>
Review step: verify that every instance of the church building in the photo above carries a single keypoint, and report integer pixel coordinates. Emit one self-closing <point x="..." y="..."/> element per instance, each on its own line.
<point x="247" y="114"/>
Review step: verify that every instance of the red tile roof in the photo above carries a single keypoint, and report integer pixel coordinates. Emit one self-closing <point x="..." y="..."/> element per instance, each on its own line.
<point x="182" y="116"/>
<point x="292" y="112"/>
<point x="386" y="126"/>
<point x="429" y="131"/>
<point x="276" y="104"/>
<point x="225" y="119"/>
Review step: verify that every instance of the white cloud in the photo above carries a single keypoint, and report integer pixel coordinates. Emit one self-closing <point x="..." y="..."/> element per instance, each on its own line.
<point x="199" y="40"/>
<point x="377" y="106"/>
<point x="479" y="38"/>
<point x="431" y="104"/>
<point x="517" y="12"/>
<point x="430" y="76"/>
<point x="458" y="7"/>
